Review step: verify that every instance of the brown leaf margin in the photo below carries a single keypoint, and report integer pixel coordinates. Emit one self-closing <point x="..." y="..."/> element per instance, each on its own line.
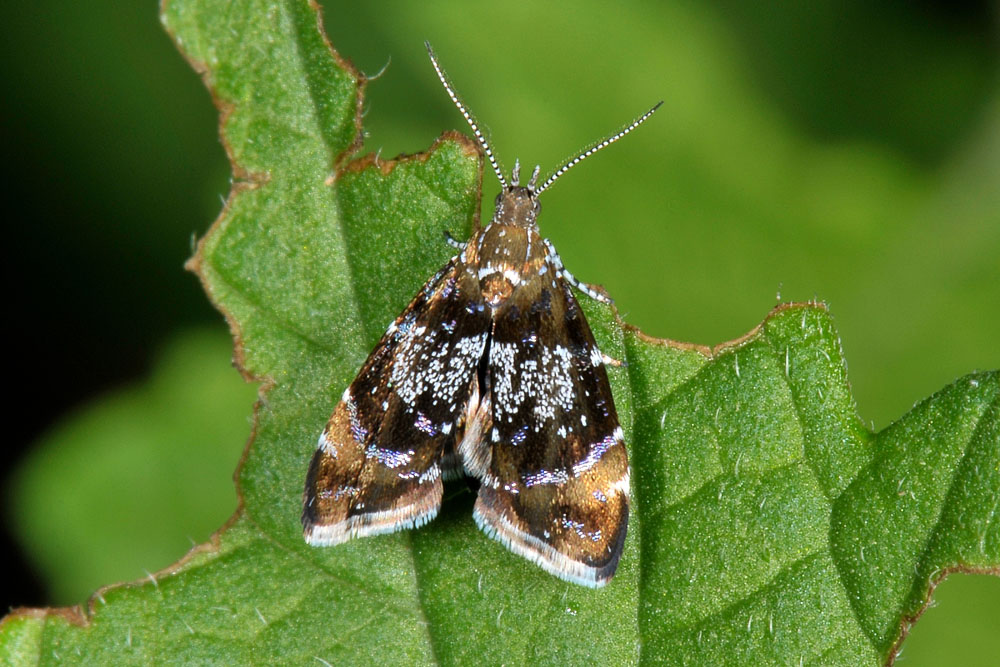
<point x="909" y="620"/>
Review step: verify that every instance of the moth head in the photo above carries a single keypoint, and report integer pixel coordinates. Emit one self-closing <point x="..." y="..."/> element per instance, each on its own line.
<point x="518" y="204"/>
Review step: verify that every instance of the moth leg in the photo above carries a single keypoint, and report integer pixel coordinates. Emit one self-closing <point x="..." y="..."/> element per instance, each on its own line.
<point x="457" y="245"/>
<point x="589" y="290"/>
<point x="563" y="273"/>
<point x="611" y="361"/>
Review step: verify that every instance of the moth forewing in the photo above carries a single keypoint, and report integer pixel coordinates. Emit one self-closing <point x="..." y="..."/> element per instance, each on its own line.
<point x="492" y="370"/>
<point x="380" y="460"/>
<point x="556" y="491"/>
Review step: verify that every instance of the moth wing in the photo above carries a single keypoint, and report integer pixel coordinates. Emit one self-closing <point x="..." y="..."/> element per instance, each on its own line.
<point x="378" y="465"/>
<point x="553" y="464"/>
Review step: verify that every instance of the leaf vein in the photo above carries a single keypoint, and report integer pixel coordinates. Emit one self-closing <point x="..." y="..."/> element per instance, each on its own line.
<point x="267" y="312"/>
<point x="925" y="552"/>
<point x="769" y="584"/>
<point x="424" y="621"/>
<point x="800" y="420"/>
<point x="855" y="612"/>
<point x="330" y="142"/>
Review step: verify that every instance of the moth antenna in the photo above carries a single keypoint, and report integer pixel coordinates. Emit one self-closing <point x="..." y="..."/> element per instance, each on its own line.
<point x="604" y="143"/>
<point x="515" y="176"/>
<point x="468" y="117"/>
<point x="533" y="181"/>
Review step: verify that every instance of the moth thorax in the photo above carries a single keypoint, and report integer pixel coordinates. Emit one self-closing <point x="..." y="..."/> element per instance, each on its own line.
<point x="517" y="205"/>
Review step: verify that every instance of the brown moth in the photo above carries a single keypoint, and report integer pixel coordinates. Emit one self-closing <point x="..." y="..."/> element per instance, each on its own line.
<point x="491" y="371"/>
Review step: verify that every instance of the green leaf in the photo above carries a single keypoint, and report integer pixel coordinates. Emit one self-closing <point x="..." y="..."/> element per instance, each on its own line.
<point x="775" y="526"/>
<point x="769" y="523"/>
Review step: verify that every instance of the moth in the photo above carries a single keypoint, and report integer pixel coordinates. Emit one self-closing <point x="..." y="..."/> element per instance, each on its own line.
<point x="491" y="371"/>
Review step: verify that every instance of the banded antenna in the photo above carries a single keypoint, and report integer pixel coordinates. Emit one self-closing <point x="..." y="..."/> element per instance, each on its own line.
<point x="604" y="143"/>
<point x="468" y="117"/>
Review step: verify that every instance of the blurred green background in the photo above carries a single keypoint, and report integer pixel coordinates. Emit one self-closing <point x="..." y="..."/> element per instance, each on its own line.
<point x="845" y="151"/>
